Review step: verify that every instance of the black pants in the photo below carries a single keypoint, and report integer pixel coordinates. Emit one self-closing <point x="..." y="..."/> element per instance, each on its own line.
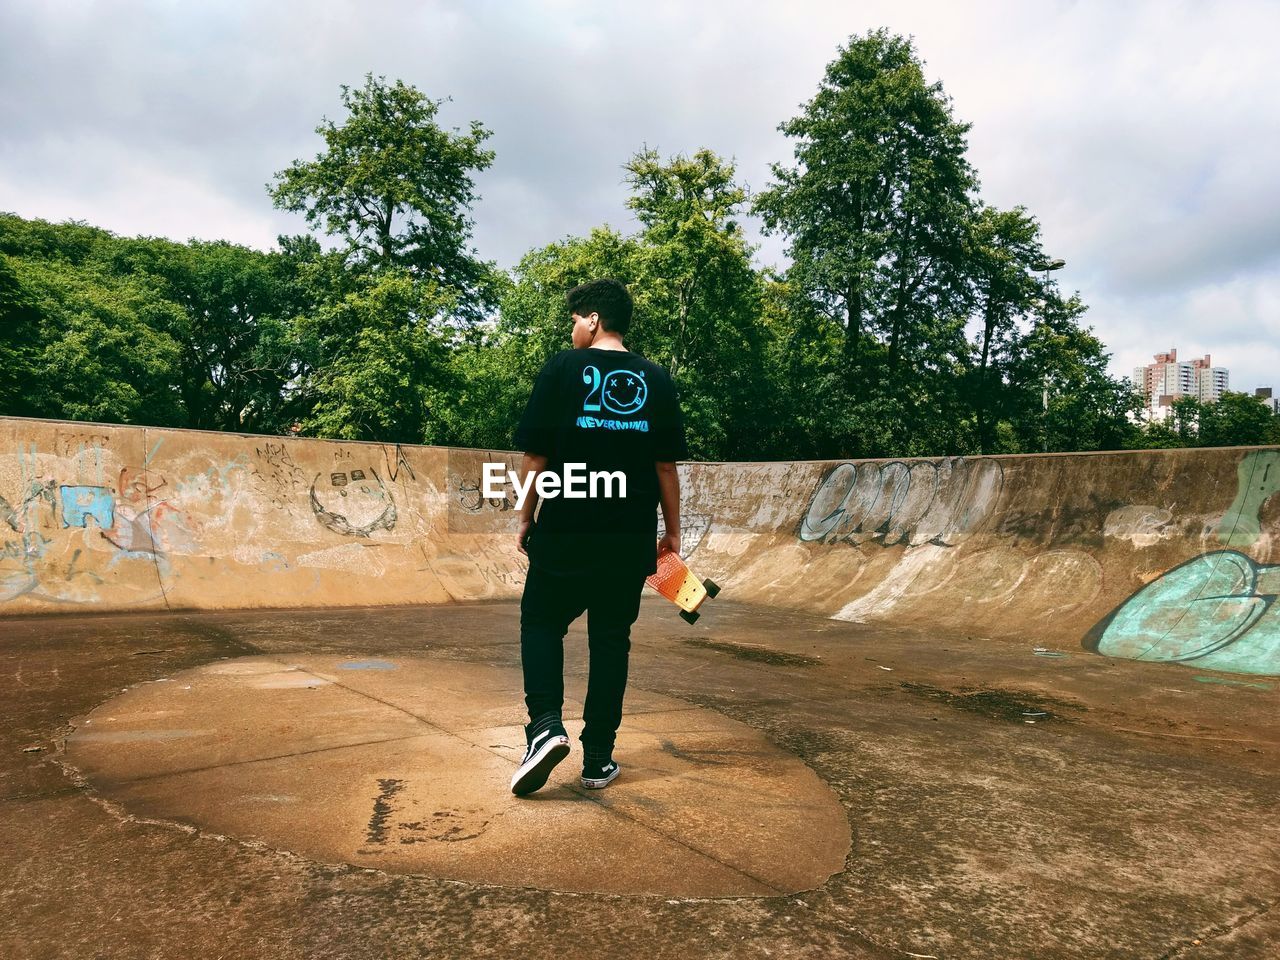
<point x="550" y="603"/>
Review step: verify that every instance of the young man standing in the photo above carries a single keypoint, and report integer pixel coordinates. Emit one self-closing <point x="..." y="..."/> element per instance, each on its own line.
<point x="599" y="408"/>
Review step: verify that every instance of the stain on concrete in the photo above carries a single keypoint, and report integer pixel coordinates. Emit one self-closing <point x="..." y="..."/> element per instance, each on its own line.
<point x="1224" y="682"/>
<point x="777" y="658"/>
<point x="377" y="832"/>
<point x="1011" y="706"/>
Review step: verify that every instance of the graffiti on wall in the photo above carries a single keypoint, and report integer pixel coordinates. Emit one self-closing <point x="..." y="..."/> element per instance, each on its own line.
<point x="940" y="502"/>
<point x="471" y="497"/>
<point x="1258" y="477"/>
<point x="146" y="525"/>
<point x="127" y="519"/>
<point x="80" y="503"/>
<point x="1218" y="610"/>
<point x="693" y="527"/>
<point x="353" y="502"/>
<point x="398" y="464"/>
<point x="276" y="476"/>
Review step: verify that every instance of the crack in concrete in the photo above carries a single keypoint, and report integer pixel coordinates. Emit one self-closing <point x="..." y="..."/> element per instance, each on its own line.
<point x="127" y="781"/>
<point x="44" y="795"/>
<point x="1217" y="932"/>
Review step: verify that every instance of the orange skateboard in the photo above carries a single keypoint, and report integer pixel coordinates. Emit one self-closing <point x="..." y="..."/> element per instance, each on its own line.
<point x="677" y="583"/>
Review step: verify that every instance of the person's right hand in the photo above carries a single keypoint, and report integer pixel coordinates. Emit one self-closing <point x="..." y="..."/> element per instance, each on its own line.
<point x="522" y="536"/>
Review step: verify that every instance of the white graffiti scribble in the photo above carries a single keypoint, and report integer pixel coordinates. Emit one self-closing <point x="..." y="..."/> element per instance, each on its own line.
<point x="940" y="502"/>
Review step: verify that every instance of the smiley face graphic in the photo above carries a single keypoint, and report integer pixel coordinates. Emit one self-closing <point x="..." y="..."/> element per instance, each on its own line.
<point x="624" y="391"/>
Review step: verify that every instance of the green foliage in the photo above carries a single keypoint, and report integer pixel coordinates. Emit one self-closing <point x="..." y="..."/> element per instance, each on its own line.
<point x="875" y="208"/>
<point x="105" y="353"/>
<point x="19" y="344"/>
<point x="1234" y="420"/>
<point x="495" y="369"/>
<point x="912" y="320"/>
<point x="223" y="308"/>
<point x="699" y="312"/>
<point x="1060" y="396"/>
<point x="378" y="359"/>
<point x="397" y="189"/>
<point x="876" y="212"/>
<point x="233" y="301"/>
<point x="702" y="300"/>
<point x="1003" y="252"/>
<point x="892" y="248"/>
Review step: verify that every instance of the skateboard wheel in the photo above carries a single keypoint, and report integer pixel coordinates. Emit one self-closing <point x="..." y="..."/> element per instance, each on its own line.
<point x="711" y="587"/>
<point x="689" y="616"/>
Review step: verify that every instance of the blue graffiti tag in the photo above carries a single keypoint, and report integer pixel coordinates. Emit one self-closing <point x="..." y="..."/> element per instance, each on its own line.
<point x="79" y="503"/>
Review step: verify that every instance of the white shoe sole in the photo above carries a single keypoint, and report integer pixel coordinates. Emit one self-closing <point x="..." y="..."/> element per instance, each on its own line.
<point x="603" y="781"/>
<point x="533" y="773"/>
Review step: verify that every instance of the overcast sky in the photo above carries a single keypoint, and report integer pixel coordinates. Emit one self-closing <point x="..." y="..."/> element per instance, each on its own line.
<point x="1144" y="136"/>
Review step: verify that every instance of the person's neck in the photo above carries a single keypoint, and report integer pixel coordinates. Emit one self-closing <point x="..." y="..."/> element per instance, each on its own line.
<point x="607" y="341"/>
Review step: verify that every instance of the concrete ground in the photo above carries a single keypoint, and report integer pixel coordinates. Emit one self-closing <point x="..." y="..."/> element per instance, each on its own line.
<point x="994" y="799"/>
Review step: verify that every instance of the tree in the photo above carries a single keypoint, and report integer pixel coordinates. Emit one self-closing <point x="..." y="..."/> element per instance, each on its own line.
<point x="1003" y="255"/>
<point x="19" y="345"/>
<point x="105" y="355"/>
<point x="1233" y="420"/>
<point x="377" y="360"/>
<point x="1061" y="396"/>
<point x="397" y="189"/>
<point x="703" y="301"/>
<point x="876" y="212"/>
<point x="233" y="302"/>
<point x="874" y="209"/>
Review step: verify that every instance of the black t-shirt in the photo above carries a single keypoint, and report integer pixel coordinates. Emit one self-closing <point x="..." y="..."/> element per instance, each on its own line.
<point x="612" y="411"/>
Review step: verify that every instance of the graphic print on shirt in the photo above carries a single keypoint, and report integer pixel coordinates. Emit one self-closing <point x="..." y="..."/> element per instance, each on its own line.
<point x="619" y="391"/>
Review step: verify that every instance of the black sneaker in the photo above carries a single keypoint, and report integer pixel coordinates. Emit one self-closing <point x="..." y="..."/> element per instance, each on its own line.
<point x="546" y="748"/>
<point x="597" y="774"/>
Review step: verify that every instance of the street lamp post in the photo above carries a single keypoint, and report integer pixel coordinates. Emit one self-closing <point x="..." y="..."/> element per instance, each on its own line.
<point x="1046" y="267"/>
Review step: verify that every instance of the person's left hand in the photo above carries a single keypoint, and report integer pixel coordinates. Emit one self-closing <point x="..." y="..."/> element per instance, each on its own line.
<point x="670" y="543"/>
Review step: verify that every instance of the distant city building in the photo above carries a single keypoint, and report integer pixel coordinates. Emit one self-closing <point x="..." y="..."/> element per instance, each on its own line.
<point x="1162" y="382"/>
<point x="1270" y="402"/>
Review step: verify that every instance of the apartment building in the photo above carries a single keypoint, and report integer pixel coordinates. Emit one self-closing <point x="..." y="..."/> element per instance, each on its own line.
<point x="1168" y="378"/>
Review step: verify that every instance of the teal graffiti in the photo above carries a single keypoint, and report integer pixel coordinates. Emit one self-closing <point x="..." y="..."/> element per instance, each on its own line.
<point x="79" y="503"/>
<point x="1258" y="478"/>
<point x="1218" y="611"/>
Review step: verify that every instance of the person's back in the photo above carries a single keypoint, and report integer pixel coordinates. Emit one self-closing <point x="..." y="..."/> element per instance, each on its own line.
<point x="601" y="434"/>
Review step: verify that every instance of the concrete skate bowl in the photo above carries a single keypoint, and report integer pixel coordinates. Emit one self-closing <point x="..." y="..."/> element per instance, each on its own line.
<point x="1160" y="556"/>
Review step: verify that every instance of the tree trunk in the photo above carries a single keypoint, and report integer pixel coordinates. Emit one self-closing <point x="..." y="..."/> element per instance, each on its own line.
<point x="985" y="441"/>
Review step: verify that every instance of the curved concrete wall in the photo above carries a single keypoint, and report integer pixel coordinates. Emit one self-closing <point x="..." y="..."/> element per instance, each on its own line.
<point x="1167" y="555"/>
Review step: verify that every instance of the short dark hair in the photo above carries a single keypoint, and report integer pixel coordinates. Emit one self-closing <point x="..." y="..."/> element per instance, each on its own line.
<point x="607" y="297"/>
